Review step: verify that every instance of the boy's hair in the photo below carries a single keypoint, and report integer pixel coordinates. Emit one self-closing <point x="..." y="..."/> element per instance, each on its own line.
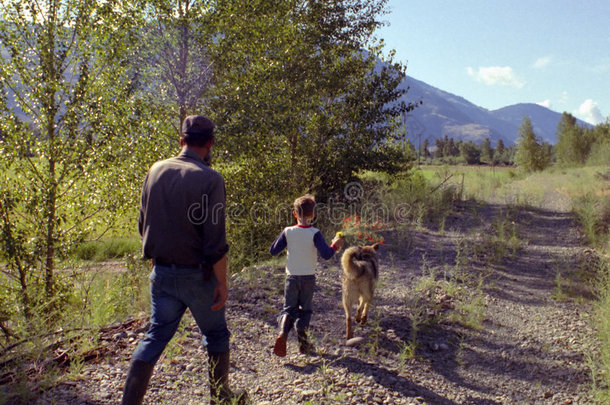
<point x="305" y="206"/>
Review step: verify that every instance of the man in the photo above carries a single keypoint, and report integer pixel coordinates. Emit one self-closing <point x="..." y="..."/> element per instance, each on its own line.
<point x="182" y="224"/>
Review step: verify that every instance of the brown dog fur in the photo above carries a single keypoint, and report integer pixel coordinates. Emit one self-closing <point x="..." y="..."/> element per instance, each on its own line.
<point x="360" y="273"/>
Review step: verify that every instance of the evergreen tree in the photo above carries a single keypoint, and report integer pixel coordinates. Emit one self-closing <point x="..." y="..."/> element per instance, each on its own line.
<point x="574" y="143"/>
<point x="486" y="151"/>
<point x="500" y="146"/>
<point x="454" y="147"/>
<point x="600" y="148"/>
<point x="438" y="152"/>
<point x="499" y="153"/>
<point x="530" y="155"/>
<point x="547" y="153"/>
<point x="425" y="153"/>
<point x="447" y="146"/>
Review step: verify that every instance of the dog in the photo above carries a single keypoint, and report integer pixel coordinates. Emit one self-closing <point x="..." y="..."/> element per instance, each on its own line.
<point x="360" y="274"/>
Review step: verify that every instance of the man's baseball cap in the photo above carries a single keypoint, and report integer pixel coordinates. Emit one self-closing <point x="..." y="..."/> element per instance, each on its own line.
<point x="197" y="129"/>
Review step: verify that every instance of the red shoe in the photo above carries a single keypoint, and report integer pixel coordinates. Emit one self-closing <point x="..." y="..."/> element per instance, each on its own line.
<point x="279" y="349"/>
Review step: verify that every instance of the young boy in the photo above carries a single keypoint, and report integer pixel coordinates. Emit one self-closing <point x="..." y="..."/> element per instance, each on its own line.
<point x="303" y="243"/>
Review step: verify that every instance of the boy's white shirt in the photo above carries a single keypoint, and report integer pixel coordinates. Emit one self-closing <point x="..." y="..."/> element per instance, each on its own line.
<point x="302" y="255"/>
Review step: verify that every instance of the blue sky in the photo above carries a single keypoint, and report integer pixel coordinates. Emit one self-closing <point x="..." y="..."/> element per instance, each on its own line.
<point x="496" y="53"/>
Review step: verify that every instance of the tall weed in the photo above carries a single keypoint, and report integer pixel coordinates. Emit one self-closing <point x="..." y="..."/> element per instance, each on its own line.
<point x="601" y="367"/>
<point x="593" y="213"/>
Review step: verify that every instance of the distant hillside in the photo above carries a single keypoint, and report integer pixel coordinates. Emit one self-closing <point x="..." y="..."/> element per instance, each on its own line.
<point x="443" y="113"/>
<point x="544" y="120"/>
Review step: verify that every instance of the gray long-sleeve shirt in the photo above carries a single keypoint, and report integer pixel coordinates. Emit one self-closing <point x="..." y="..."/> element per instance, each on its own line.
<point x="182" y="212"/>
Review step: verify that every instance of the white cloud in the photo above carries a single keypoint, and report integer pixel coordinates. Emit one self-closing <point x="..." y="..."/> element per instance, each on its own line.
<point x="546" y="103"/>
<point x="496" y="75"/>
<point x="542" y="62"/>
<point x="590" y="112"/>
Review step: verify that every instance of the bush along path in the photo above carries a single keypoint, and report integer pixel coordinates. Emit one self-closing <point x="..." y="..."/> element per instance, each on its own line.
<point x="492" y="309"/>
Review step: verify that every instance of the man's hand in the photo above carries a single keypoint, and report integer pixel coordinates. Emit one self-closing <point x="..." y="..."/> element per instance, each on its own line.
<point x="221" y="293"/>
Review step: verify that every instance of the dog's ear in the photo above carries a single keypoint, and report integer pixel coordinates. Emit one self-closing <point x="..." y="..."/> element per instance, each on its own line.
<point x="376" y="246"/>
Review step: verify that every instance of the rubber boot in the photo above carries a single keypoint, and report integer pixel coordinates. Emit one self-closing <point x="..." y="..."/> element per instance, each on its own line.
<point x="305" y="347"/>
<point x="286" y="323"/>
<point x="137" y="382"/>
<point x="220" y="393"/>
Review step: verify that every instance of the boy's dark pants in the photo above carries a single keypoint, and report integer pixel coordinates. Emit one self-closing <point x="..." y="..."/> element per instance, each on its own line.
<point x="298" y="307"/>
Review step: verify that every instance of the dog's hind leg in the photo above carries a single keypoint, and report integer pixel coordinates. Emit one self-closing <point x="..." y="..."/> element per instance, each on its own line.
<point x="349" y="333"/>
<point x="359" y="310"/>
<point x="365" y="311"/>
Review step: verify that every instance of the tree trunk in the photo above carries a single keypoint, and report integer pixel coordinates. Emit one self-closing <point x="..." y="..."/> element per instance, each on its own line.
<point x="181" y="77"/>
<point x="50" y="234"/>
<point x="51" y="192"/>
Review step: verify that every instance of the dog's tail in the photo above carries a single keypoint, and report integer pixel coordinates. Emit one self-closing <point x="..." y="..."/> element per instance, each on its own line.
<point x="351" y="269"/>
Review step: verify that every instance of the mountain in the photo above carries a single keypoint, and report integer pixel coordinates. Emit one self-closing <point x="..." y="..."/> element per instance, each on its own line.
<point x="442" y="113"/>
<point x="544" y="120"/>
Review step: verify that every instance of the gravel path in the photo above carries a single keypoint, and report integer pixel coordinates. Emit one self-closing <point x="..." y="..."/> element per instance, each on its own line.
<point x="530" y="344"/>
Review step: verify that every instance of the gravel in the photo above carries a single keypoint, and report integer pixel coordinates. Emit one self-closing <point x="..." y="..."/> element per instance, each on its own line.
<point x="530" y="348"/>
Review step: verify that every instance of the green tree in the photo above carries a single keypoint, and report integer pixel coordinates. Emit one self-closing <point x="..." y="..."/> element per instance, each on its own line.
<point x="530" y="155"/>
<point x="499" y="152"/>
<point x="470" y="152"/>
<point x="409" y="149"/>
<point x="574" y="143"/>
<point x="425" y="151"/>
<point x="304" y="99"/>
<point x="453" y="148"/>
<point x="440" y="146"/>
<point x="447" y="146"/>
<point x="62" y="68"/>
<point x="486" y="151"/>
<point x="319" y="102"/>
<point x="600" y="148"/>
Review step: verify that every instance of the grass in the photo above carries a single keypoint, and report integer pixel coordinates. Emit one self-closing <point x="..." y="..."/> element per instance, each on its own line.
<point x="508" y="185"/>
<point x="108" y="249"/>
<point x="474" y="182"/>
<point x="600" y="366"/>
<point x="96" y="299"/>
<point x="435" y="299"/>
<point x="411" y="200"/>
<point x="499" y="240"/>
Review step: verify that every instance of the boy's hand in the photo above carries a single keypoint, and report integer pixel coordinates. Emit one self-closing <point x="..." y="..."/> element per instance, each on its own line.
<point x="338" y="241"/>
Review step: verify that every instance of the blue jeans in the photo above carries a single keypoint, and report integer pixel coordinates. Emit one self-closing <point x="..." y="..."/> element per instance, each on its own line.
<point x="298" y="297"/>
<point x="173" y="290"/>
